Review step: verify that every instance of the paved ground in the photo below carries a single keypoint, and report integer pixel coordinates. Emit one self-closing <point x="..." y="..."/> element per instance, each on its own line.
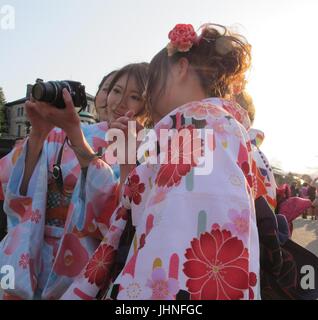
<point x="306" y="234"/>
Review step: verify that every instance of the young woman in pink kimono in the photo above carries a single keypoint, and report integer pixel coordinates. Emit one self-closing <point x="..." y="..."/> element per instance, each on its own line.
<point x="55" y="225"/>
<point x="179" y="233"/>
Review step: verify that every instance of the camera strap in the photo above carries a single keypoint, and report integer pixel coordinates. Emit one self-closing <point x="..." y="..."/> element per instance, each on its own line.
<point x="57" y="171"/>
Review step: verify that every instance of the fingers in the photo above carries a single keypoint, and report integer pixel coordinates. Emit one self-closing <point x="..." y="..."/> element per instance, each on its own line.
<point x="130" y="114"/>
<point x="44" y="111"/>
<point x="69" y="105"/>
<point x="31" y="107"/>
<point x="123" y="120"/>
<point x="29" y="104"/>
<point x="118" y="125"/>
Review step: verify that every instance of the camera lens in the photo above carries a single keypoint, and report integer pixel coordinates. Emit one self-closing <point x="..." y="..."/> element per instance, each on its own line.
<point x="38" y="91"/>
<point x="44" y="91"/>
<point x="52" y="92"/>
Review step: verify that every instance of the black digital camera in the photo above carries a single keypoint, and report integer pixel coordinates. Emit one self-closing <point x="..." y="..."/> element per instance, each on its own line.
<point x="52" y="92"/>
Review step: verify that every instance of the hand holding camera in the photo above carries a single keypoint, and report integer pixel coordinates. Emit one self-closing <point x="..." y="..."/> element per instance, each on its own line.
<point x="53" y="105"/>
<point x="40" y="127"/>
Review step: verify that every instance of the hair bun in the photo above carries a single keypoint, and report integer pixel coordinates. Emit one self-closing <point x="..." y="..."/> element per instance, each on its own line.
<point x="223" y="45"/>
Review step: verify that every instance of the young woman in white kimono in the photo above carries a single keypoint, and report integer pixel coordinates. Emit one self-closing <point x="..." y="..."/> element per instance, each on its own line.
<point x="189" y="234"/>
<point x="54" y="225"/>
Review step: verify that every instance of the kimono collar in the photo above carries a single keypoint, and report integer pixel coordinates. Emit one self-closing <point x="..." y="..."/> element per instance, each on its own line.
<point x="236" y="111"/>
<point x="230" y="107"/>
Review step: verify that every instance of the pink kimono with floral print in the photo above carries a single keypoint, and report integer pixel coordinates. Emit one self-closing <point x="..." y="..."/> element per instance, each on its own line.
<point x="47" y="253"/>
<point x="195" y="235"/>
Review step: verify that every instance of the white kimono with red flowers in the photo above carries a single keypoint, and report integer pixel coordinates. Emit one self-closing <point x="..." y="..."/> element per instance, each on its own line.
<point x="195" y="235"/>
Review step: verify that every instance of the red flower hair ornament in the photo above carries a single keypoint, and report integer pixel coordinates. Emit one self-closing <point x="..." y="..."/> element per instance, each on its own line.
<point x="182" y="38"/>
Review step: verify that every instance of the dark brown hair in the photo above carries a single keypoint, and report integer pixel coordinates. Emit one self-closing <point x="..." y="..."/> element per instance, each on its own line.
<point x="219" y="58"/>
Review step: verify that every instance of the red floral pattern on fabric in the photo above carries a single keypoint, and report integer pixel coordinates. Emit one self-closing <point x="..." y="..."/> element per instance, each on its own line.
<point x="217" y="267"/>
<point x="237" y="112"/>
<point x="179" y="163"/>
<point x="243" y="162"/>
<point x="99" y="265"/>
<point x="134" y="189"/>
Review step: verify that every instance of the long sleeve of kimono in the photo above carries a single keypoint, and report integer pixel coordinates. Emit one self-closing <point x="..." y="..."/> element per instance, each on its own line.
<point x="97" y="270"/>
<point x="25" y="215"/>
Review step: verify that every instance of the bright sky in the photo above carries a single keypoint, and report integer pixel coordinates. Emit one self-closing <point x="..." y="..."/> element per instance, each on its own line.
<point x="82" y="40"/>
